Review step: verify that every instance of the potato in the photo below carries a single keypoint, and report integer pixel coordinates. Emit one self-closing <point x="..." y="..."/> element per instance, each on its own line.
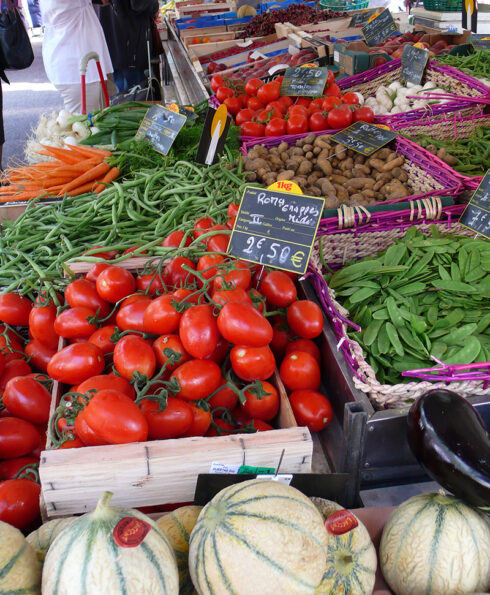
<point x="286" y="175"/>
<point x="392" y="163"/>
<point x="325" y="166"/>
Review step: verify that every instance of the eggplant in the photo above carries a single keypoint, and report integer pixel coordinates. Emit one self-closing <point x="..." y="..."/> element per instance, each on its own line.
<point x="449" y="439"/>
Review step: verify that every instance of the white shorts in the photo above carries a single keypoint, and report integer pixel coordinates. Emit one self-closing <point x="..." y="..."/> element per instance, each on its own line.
<point x="72" y="97"/>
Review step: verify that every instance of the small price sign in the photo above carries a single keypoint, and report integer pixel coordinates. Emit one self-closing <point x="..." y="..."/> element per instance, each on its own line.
<point x="276" y="228"/>
<point x="363" y="17"/>
<point x="380" y="28"/>
<point x="364" y="138"/>
<point x="160" y="126"/>
<point x="480" y="42"/>
<point x="476" y="216"/>
<point x="414" y="61"/>
<point x="304" y="81"/>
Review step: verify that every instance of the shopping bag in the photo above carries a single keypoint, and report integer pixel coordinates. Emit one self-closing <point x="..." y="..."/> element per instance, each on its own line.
<point x="15" y="47"/>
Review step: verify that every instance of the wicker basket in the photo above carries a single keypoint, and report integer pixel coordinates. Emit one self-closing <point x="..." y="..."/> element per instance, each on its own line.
<point x="356" y="244"/>
<point x="471" y="94"/>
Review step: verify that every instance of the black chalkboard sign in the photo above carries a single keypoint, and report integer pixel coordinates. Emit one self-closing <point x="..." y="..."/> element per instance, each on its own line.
<point x="364" y="138"/>
<point x="276" y="229"/>
<point x="414" y="61"/>
<point x="380" y="28"/>
<point x="160" y="126"/>
<point x="476" y="216"/>
<point x="301" y="82"/>
<point x="362" y="18"/>
<point x="480" y="42"/>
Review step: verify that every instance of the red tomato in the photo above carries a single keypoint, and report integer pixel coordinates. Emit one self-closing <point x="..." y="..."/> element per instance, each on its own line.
<point x="18" y="437"/>
<point x="10" y="467"/>
<point x="135" y="297"/>
<point x="114" y="284"/>
<point x="160" y="317"/>
<point x="217" y="81"/>
<point x="133" y="249"/>
<point x="255" y="104"/>
<point x="172" y="422"/>
<point x="281" y="337"/>
<point x="198" y="330"/>
<point x="340" y="117"/>
<point x="305" y="345"/>
<point x="330" y="102"/>
<point x="333" y="90"/>
<point x="311" y="409"/>
<point x="186" y="295"/>
<point x="201" y="420"/>
<point x="240" y="323"/>
<point x="75" y="443"/>
<point x="252" y="363"/>
<point x="174" y="343"/>
<point x="13" y="368"/>
<point x="26" y="398"/>
<point x="260" y="425"/>
<point x="116" y="418"/>
<point x="103" y="381"/>
<point x="133" y="354"/>
<point x="305" y="318"/>
<point x="276" y="107"/>
<point x="224" y="398"/>
<point x="14" y="309"/>
<point x="131" y="317"/>
<point x="219" y="241"/>
<point x="75" y="363"/>
<point x="151" y="283"/>
<point x="264" y="405"/>
<point x="85" y="433"/>
<point x="9" y="352"/>
<point x="252" y="129"/>
<point x="286" y="102"/>
<point x="298" y="110"/>
<point x="220" y="428"/>
<point x="105" y="254"/>
<point x="223" y="93"/>
<point x="253" y="85"/>
<point x="220" y="351"/>
<point x="297" y="124"/>
<point x="41" y="324"/>
<point x="74" y="323"/>
<point x="95" y="271"/>
<point x="318" y="121"/>
<point x="278" y="288"/>
<point x="197" y="379"/>
<point x="330" y="77"/>
<point x="239" y="275"/>
<point x="224" y="296"/>
<point x="306" y="101"/>
<point x="317" y="103"/>
<point x="177" y="276"/>
<point x="83" y="293"/>
<point x="350" y="99"/>
<point x="276" y="127"/>
<point x="102" y="338"/>
<point x="243" y="98"/>
<point x="233" y="104"/>
<point x="300" y="370"/>
<point x="207" y="265"/>
<point x="174" y="239"/>
<point x="39" y="354"/>
<point x="364" y="114"/>
<point x="244" y="115"/>
<point x="19" y="502"/>
<point x="202" y="225"/>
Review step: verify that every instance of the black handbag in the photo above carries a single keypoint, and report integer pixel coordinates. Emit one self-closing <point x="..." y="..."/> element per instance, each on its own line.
<point x="15" y="47"/>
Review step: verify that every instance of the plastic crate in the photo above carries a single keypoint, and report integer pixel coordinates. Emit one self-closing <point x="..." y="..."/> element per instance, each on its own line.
<point x="344" y="5"/>
<point x="443" y="5"/>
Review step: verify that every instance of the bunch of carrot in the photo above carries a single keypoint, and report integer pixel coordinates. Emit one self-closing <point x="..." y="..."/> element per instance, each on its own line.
<point x="73" y="171"/>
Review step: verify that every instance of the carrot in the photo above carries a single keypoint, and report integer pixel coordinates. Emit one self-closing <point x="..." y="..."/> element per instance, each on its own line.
<point x="87" y="187"/>
<point x="61" y="154"/>
<point x="89" y="151"/>
<point x="21" y="196"/>
<point x="92" y="174"/>
<point x="111" y="175"/>
<point x="77" y="168"/>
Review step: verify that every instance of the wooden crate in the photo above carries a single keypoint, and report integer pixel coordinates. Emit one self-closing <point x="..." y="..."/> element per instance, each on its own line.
<point x="161" y="471"/>
<point x="216" y="38"/>
<point x="13" y="210"/>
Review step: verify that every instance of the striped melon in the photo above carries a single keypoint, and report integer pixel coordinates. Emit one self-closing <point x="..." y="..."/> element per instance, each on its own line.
<point x="351" y="556"/>
<point x="110" y="551"/>
<point x="436" y="545"/>
<point x="258" y="537"/>
<point x="177" y="527"/>
<point x="20" y="570"/>
<point x="42" y="538"/>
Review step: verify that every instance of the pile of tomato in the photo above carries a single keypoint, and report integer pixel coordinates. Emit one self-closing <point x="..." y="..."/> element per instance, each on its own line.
<point x="260" y="110"/>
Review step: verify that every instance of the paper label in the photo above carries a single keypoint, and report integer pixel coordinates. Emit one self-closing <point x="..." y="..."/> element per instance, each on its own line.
<point x="244" y="44"/>
<point x="277" y="68"/>
<point x="340" y="522"/>
<point x="130" y="532"/>
<point x="256" y="55"/>
<point x="336" y="56"/>
<point x="285" y="478"/>
<point x="217" y="467"/>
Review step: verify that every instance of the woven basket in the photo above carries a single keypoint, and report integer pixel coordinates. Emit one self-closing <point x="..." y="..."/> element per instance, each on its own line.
<point x="467" y="88"/>
<point x="452" y="126"/>
<point x="354" y="245"/>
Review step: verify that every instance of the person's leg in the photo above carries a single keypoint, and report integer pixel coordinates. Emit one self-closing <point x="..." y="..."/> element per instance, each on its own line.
<point x="95" y="97"/>
<point x="72" y="97"/>
<point x="35" y="13"/>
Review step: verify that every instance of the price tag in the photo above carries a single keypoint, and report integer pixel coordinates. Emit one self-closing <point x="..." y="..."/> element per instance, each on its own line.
<point x="414" y="61"/>
<point x="276" y="229"/>
<point x="285" y="478"/>
<point x="364" y="138"/>
<point x="480" y="42"/>
<point x="213" y="136"/>
<point x="257" y="55"/>
<point x="476" y="216"/>
<point x="380" y="28"/>
<point x="277" y="68"/>
<point x="244" y="44"/>
<point x="302" y="82"/>
<point x="362" y="18"/>
<point x="222" y="468"/>
<point x="160" y="126"/>
<point x="248" y="470"/>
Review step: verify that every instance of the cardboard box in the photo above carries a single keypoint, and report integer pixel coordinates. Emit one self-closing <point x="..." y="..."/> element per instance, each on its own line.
<point x="355" y="57"/>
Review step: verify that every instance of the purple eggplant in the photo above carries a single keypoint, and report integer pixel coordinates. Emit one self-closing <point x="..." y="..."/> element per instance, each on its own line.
<point x="449" y="439"/>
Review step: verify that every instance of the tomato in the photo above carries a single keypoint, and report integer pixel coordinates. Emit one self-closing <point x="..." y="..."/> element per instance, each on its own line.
<point x="102" y="338"/>
<point x="260" y="425"/>
<point x="187" y="296"/>
<point x="300" y="370"/>
<point x="19" y="502"/>
<point x="220" y="428"/>
<point x="306" y="101"/>
<point x="252" y="129"/>
<point x="262" y="406"/>
<point x="305" y="318"/>
<point x="198" y="330"/>
<point x="174" y="239"/>
<point x="281" y="337"/>
<point x="223" y="93"/>
<point x="252" y="363"/>
<point x="10" y="467"/>
<point x="75" y="363"/>
<point x="133" y="354"/>
<point x="85" y="433"/>
<point x="224" y="398"/>
<point x="197" y="379"/>
<point x="9" y="352"/>
<point x="207" y="265"/>
<point x="18" y="437"/>
<point x="114" y="284"/>
<point x="305" y="345"/>
<point x="364" y="114"/>
<point x="253" y="85"/>
<point x="220" y="351"/>
<point x="350" y="99"/>
<point x="217" y="81"/>
<point x="255" y="104"/>
<point x="233" y="104"/>
<point x="177" y="276"/>
<point x="286" y="102"/>
<point x="116" y="418"/>
<point x="75" y="443"/>
<point x="103" y="381"/>
<point x="278" y="288"/>
<point x="13" y="368"/>
<point x="224" y="296"/>
<point x="330" y="77"/>
<point x="26" y="398"/>
<point x="174" y="343"/>
<point x="330" y="102"/>
<point x="276" y="127"/>
<point x="131" y="317"/>
<point x="333" y="90"/>
<point x="244" y="115"/>
<point x="14" y="309"/>
<point x="160" y="317"/>
<point x="218" y="242"/>
<point x="172" y="422"/>
<point x="317" y="103"/>
<point x="239" y="275"/>
<point x="41" y="325"/>
<point x="151" y="283"/>
<point x="298" y="110"/>
<point x="241" y="324"/>
<point x="74" y="322"/>
<point x="42" y="431"/>
<point x="105" y="254"/>
<point x="311" y="409"/>
<point x="340" y="117"/>
<point x="297" y="124"/>
<point x="318" y="121"/>
<point x="39" y="354"/>
<point x="202" y="225"/>
<point x="277" y="108"/>
<point x="133" y="249"/>
<point x="201" y="420"/>
<point x="83" y="293"/>
<point x="95" y="271"/>
<point x="243" y="98"/>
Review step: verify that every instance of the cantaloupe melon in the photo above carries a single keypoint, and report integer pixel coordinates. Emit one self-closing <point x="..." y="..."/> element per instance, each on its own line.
<point x="42" y="538"/>
<point x="20" y="570"/>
